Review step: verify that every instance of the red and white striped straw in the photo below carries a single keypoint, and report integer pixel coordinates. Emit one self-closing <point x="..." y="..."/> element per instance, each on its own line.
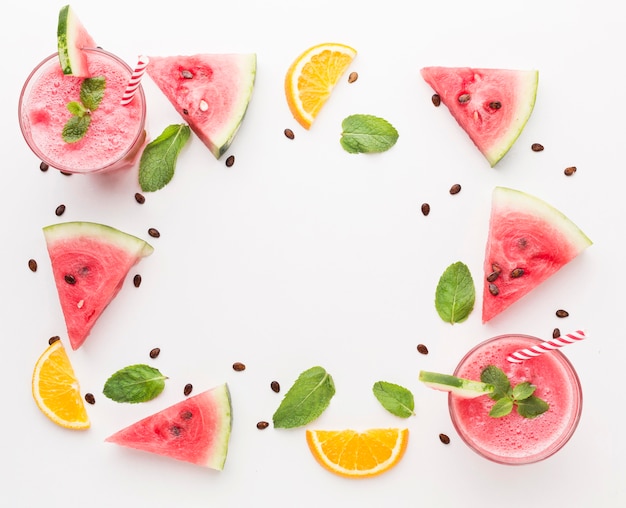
<point x="549" y="345"/>
<point x="135" y="80"/>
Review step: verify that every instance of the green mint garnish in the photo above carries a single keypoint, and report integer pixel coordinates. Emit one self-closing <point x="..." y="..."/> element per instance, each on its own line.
<point x="91" y="94"/>
<point x="158" y="160"/>
<point x="367" y="134"/>
<point x="135" y="383"/>
<point x="306" y="400"/>
<point x="395" y="398"/>
<point x="521" y="395"/>
<point x="455" y="294"/>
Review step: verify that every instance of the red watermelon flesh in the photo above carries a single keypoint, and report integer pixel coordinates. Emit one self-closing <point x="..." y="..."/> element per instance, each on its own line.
<point x="529" y="240"/>
<point x="195" y="430"/>
<point x="491" y="105"/>
<point x="89" y="262"/>
<point x="210" y="91"/>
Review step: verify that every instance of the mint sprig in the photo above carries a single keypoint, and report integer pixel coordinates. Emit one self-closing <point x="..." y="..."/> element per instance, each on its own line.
<point x="158" y="160"/>
<point x="396" y="399"/>
<point x="135" y="383"/>
<point x="91" y="95"/>
<point x="455" y="294"/>
<point x="506" y="397"/>
<point x="367" y="134"/>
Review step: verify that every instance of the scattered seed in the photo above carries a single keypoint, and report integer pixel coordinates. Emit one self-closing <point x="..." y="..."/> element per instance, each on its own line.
<point x="186" y="74"/>
<point x="238" y="366"/>
<point x="32" y="264"/>
<point x="262" y="425"/>
<point x="66" y="173"/>
<point x="90" y="398"/>
<point x="137" y="280"/>
<point x="562" y="313"/>
<point x="425" y="208"/>
<point x="154" y="233"/>
<point x="444" y="439"/>
<point x="140" y="198"/>
<point x="70" y="279"/>
<point x="517" y="272"/>
<point x="421" y="348"/>
<point x="495" y="105"/>
<point x="60" y="210"/>
<point x="536" y="147"/>
<point x="154" y="352"/>
<point x="353" y="77"/>
<point x="188" y="389"/>
<point x="230" y="161"/>
<point x="569" y="171"/>
<point x="464" y="98"/>
<point x="53" y="339"/>
<point x="455" y="189"/>
<point x="289" y="133"/>
<point x="43" y="166"/>
<point x="493" y="289"/>
<point x="436" y="100"/>
<point x="275" y="386"/>
<point x="185" y="111"/>
<point x="556" y="333"/>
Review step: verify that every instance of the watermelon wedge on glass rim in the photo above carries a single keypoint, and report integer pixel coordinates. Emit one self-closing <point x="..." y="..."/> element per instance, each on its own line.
<point x="195" y="430"/>
<point x="491" y="105"/>
<point x="90" y="262"/>
<point x="529" y="240"/>
<point x="211" y="92"/>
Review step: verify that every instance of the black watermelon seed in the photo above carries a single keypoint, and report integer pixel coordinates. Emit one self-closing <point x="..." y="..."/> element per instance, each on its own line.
<point x="70" y="279"/>
<point x="188" y="389"/>
<point x="569" y="171"/>
<point x="154" y="352"/>
<point x="140" y="198"/>
<point x="43" y="166"/>
<point x="137" y="280"/>
<point x="238" y="366"/>
<point x="262" y="425"/>
<point x="230" y="160"/>
<point x="422" y="349"/>
<point x="289" y="133"/>
<point x="186" y="415"/>
<point x="536" y="147"/>
<point x="275" y="386"/>
<point x="425" y="209"/>
<point x="60" y="210"/>
<point x="444" y="439"/>
<point x="154" y="233"/>
<point x="32" y="264"/>
<point x="455" y="189"/>
<point x="436" y="99"/>
<point x="562" y="313"/>
<point x="90" y="398"/>
<point x="53" y="339"/>
<point x="556" y="333"/>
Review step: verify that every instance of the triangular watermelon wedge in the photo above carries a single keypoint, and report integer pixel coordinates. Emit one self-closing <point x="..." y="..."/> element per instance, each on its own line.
<point x="89" y="262"/>
<point x="529" y="240"/>
<point x="210" y="91"/>
<point x="491" y="105"/>
<point x="195" y="430"/>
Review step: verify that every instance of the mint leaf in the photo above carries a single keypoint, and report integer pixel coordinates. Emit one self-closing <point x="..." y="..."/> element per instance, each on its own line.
<point x="75" y="128"/>
<point x="135" y="383"/>
<point x="501" y="408"/>
<point x="455" y="294"/>
<point x="532" y="407"/>
<point x="158" y="160"/>
<point x="92" y="92"/>
<point x="367" y="134"/>
<point x="523" y="391"/>
<point x="394" y="398"/>
<point x="306" y="400"/>
<point x="494" y="376"/>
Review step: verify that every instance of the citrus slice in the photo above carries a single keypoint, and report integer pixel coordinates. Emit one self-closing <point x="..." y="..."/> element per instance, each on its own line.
<point x="312" y="76"/>
<point x="465" y="388"/>
<point x="355" y="454"/>
<point x="71" y="39"/>
<point x="56" y="390"/>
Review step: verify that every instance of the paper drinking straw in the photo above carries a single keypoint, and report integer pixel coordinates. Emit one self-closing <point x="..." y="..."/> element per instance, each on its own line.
<point x="135" y="79"/>
<point x="549" y="345"/>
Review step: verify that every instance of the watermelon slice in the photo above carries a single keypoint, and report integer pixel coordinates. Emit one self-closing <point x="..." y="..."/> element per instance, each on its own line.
<point x="210" y="92"/>
<point x="528" y="241"/>
<point x="89" y="262"/>
<point x="195" y="430"/>
<point x="72" y="37"/>
<point x="491" y="105"/>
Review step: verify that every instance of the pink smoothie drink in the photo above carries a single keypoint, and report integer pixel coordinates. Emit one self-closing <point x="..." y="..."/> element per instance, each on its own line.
<point x="513" y="439"/>
<point x="116" y="133"/>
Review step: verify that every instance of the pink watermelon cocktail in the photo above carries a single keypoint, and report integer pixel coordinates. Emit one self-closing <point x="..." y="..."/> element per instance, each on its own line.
<point x="514" y="439"/>
<point x="116" y="133"/>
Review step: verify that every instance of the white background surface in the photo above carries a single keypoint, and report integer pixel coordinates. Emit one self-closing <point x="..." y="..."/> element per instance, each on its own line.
<point x="301" y="254"/>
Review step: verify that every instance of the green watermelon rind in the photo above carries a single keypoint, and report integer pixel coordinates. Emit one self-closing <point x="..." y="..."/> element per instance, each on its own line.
<point x="463" y="388"/>
<point x="71" y="38"/>
<point x="68" y="230"/>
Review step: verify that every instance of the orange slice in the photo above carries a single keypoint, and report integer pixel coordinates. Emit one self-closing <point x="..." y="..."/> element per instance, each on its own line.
<point x="312" y="76"/>
<point x="56" y="390"/>
<point x="355" y="454"/>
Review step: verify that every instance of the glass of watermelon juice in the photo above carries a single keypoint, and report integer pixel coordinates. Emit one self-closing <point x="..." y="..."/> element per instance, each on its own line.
<point x="513" y="439"/>
<point x="116" y="134"/>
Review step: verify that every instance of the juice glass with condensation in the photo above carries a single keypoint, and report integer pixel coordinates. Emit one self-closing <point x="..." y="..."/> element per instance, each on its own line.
<point x="513" y="439"/>
<point x="116" y="135"/>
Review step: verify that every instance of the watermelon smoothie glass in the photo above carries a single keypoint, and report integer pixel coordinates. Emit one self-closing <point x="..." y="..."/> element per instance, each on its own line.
<point x="513" y="439"/>
<point x="116" y="134"/>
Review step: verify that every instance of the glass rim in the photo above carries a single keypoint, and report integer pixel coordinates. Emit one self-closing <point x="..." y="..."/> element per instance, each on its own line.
<point x="25" y="129"/>
<point x="568" y="432"/>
